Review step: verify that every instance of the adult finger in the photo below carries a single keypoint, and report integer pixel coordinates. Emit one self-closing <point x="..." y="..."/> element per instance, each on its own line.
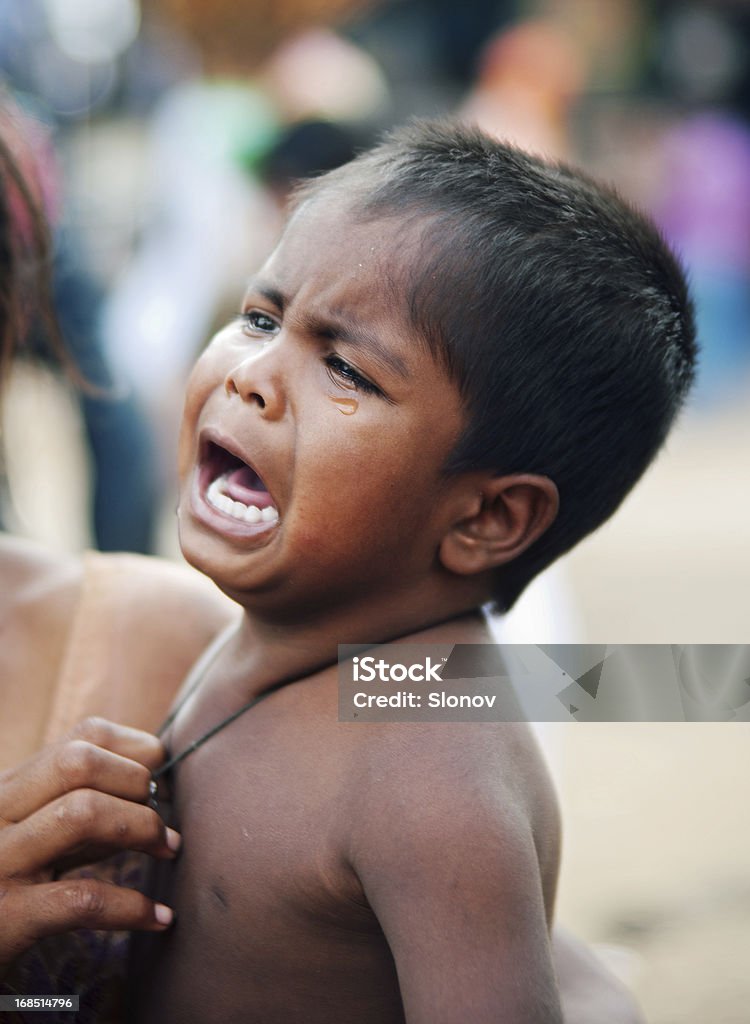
<point x="64" y="767"/>
<point x="33" y="912"/>
<point x="135" y="744"/>
<point x="84" y="818"/>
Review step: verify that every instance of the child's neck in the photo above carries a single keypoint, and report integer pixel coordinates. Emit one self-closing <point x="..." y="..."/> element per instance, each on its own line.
<point x="263" y="649"/>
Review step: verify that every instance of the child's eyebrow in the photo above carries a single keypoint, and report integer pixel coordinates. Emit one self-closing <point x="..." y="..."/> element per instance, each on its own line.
<point x="346" y="329"/>
<point x="273" y="295"/>
<point x="335" y="328"/>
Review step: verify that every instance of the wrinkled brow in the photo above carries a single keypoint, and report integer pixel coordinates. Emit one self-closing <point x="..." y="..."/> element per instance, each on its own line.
<point x="336" y="327"/>
<point x="347" y="329"/>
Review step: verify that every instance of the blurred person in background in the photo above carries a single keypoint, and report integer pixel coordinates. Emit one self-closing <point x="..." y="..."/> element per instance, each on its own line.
<point x="702" y="203"/>
<point x="117" y="434"/>
<point x="665" y="115"/>
<point x="528" y="78"/>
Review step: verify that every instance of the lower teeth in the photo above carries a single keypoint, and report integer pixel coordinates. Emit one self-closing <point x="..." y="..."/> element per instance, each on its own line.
<point x="238" y="510"/>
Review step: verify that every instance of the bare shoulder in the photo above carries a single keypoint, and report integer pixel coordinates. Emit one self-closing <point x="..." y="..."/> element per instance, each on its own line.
<point x="469" y="775"/>
<point x="461" y="781"/>
<point x="152" y="619"/>
<point x="443" y="786"/>
<point x="159" y="617"/>
<point x="38" y="597"/>
<point x="168" y="598"/>
<point x="35" y="578"/>
<point x="455" y="841"/>
<point x="38" y="600"/>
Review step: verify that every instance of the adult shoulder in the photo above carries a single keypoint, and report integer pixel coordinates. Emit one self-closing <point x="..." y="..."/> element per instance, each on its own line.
<point x="176" y="602"/>
<point x="38" y="599"/>
<point x="141" y="624"/>
<point x="31" y="573"/>
<point x="109" y="634"/>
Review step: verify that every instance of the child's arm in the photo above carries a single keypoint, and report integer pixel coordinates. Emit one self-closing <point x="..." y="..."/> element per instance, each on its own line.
<point x="75" y="802"/>
<point x="451" y="868"/>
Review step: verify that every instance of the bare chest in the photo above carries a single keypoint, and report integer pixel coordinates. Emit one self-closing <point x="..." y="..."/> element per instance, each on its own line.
<point x="270" y="917"/>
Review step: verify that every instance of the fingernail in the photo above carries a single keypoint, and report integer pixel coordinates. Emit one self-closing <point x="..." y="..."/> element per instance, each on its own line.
<point x="174" y="840"/>
<point x="163" y="914"/>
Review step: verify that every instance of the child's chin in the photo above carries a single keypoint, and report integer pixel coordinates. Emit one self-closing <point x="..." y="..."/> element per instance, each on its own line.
<point x="218" y="553"/>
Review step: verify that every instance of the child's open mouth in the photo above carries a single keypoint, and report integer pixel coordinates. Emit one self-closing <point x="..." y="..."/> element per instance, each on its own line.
<point x="233" y="487"/>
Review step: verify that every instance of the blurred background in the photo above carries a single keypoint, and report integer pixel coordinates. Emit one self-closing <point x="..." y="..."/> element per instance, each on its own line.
<point x="165" y="134"/>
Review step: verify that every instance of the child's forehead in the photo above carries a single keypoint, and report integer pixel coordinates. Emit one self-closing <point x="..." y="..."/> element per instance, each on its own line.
<point x="334" y="219"/>
<point x="339" y="276"/>
<point x="330" y="255"/>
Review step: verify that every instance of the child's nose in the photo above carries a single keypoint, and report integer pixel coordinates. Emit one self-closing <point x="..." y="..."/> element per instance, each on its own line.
<point x="256" y="380"/>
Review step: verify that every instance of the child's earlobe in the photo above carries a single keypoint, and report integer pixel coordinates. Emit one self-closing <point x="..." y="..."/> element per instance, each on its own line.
<point x="512" y="513"/>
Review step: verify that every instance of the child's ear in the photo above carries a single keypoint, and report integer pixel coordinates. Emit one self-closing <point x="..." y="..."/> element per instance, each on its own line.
<point x="504" y="516"/>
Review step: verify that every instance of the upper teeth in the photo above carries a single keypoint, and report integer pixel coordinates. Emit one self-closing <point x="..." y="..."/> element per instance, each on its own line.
<point x="247" y="513"/>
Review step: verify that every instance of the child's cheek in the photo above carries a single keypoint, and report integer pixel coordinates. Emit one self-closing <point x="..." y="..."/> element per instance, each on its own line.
<point x="185" y="448"/>
<point x="196" y="393"/>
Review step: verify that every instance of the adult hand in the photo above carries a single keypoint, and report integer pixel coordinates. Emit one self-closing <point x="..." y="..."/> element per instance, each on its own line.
<point x="73" y="803"/>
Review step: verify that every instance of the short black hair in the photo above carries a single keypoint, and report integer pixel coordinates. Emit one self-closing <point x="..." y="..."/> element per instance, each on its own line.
<point x="558" y="309"/>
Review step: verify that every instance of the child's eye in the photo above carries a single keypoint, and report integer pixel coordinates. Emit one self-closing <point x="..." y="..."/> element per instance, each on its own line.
<point x="256" y="322"/>
<point x="342" y="373"/>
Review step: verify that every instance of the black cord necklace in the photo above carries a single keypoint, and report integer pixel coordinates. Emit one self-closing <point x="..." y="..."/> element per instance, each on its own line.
<point x="168" y="765"/>
<point x="201" y="668"/>
<point x="208" y="660"/>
